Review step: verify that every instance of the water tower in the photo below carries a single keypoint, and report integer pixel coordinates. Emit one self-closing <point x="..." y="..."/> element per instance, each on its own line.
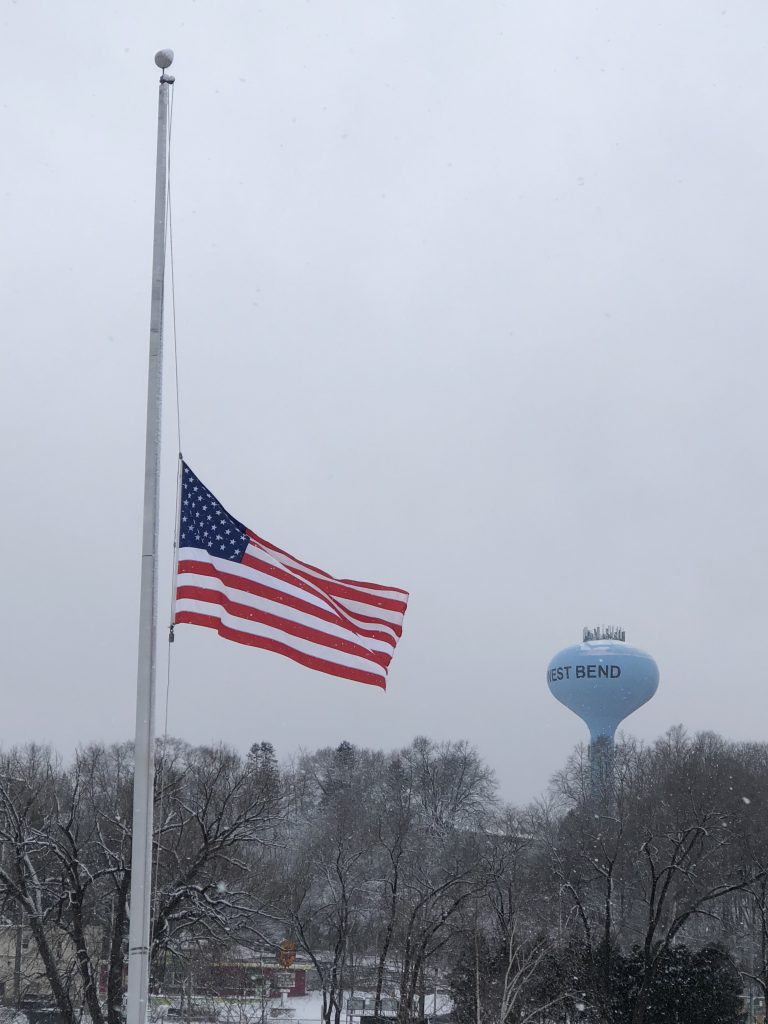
<point x="602" y="680"/>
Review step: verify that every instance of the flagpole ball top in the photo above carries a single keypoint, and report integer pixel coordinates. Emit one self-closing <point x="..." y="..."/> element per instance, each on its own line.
<point x="164" y="58"/>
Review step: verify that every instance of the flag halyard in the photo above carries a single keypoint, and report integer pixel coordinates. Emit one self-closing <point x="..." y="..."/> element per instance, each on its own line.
<point x="251" y="592"/>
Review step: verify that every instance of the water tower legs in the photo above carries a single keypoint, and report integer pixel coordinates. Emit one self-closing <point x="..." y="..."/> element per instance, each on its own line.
<point x="601" y="767"/>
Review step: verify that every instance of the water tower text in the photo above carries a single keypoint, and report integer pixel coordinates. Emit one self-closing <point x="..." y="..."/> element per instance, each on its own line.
<point x="583" y="672"/>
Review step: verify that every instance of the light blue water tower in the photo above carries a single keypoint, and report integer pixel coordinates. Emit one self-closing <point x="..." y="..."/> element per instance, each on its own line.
<point x="602" y="680"/>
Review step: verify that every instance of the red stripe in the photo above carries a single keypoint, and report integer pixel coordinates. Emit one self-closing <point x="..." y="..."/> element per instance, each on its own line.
<point x="278" y="573"/>
<point x="339" y="589"/>
<point x="249" y="586"/>
<point x="312" y="587"/>
<point x="321" y="572"/>
<point x="330" y="667"/>
<point x="315" y="636"/>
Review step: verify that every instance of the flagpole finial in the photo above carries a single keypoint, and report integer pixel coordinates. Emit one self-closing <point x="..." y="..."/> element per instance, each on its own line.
<point x="164" y="58"/>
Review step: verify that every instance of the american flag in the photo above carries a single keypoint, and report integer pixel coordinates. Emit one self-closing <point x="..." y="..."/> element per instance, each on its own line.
<point x="253" y="593"/>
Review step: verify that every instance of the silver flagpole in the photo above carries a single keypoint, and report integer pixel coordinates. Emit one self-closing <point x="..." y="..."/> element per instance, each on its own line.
<point x="144" y="772"/>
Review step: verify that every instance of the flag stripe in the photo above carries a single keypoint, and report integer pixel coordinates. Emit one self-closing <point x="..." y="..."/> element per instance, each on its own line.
<point x="191" y="573"/>
<point x="395" y="592"/>
<point x="252" y="592"/>
<point x="363" y="612"/>
<point x="305" y="645"/>
<point x="269" y="644"/>
<point x="345" y="593"/>
<point x="189" y="596"/>
<point x="274" y="576"/>
<point x="257" y="608"/>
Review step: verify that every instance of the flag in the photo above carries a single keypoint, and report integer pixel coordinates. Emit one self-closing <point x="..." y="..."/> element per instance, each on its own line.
<point x="252" y="592"/>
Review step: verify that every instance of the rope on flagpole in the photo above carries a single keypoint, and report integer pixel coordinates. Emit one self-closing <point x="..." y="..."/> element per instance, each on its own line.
<point x="164" y="741"/>
<point x="173" y="283"/>
<point x="169" y="228"/>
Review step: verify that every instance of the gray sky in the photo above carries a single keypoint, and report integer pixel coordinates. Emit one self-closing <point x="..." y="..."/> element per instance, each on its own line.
<point x="470" y="300"/>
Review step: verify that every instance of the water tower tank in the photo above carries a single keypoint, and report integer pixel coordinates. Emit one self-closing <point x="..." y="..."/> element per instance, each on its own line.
<point x="603" y="680"/>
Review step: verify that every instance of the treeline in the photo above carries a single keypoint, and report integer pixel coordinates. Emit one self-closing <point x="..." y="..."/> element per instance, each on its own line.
<point x="400" y="873"/>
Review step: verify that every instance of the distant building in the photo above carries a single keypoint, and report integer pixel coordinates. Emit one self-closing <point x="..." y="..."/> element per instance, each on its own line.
<point x="240" y="973"/>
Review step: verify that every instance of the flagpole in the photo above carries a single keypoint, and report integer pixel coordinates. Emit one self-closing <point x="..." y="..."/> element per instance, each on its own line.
<point x="144" y="752"/>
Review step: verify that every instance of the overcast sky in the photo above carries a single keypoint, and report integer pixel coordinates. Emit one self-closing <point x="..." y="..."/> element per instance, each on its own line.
<point x="471" y="300"/>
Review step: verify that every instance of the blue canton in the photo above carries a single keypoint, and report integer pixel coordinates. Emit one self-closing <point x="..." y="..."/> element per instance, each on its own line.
<point x="205" y="524"/>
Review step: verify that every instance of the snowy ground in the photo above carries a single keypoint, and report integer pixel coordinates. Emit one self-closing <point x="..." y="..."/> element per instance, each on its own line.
<point x="309" y="1008"/>
<point x="306" y="1010"/>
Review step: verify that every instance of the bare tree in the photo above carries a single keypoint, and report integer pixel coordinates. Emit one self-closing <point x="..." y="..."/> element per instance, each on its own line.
<point x="66" y="839"/>
<point x="524" y="961"/>
<point x="446" y="864"/>
<point x="392" y="833"/>
<point x="685" y="833"/>
<point x="326" y="882"/>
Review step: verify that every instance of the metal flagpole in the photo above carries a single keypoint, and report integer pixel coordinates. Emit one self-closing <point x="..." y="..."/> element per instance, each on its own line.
<point x="144" y="771"/>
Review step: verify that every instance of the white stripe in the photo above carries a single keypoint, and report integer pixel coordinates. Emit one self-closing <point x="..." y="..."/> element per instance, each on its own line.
<point x="248" y="572"/>
<point x="284" y="611"/>
<point x="296" y="643"/>
<point x="396" y="618"/>
<point x="345" y="605"/>
<point x="383" y="615"/>
<point x="322" y="600"/>
<point x="293" y="563"/>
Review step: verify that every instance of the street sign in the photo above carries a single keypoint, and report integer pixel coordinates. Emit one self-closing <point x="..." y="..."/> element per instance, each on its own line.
<point x="285" y="980"/>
